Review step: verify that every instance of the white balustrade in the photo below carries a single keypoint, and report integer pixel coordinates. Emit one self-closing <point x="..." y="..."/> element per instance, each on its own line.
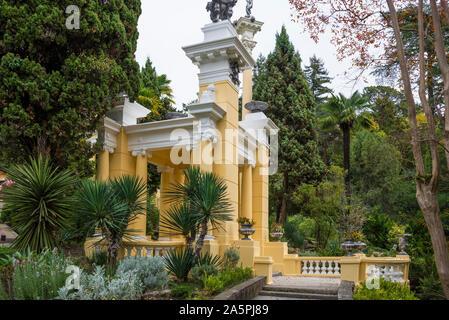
<point x="391" y="272"/>
<point x="323" y="267"/>
<point x="146" y="251"/>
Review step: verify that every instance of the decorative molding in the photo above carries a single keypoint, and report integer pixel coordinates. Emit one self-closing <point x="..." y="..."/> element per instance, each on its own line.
<point x="141" y="153"/>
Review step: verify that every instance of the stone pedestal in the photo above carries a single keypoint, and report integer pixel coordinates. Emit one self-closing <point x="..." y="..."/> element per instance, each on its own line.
<point x="248" y="251"/>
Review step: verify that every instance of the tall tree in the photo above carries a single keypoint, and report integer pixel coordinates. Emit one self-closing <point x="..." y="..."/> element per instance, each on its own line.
<point x="346" y="113"/>
<point x="56" y="83"/>
<point x="318" y="77"/>
<point x="281" y="82"/>
<point x="156" y="93"/>
<point x="364" y="25"/>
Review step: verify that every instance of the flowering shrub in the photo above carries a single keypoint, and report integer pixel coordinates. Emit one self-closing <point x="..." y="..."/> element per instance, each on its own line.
<point x="36" y="276"/>
<point x="7" y="183"/>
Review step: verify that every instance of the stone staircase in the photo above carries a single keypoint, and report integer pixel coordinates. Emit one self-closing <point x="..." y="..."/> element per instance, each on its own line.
<point x="296" y="288"/>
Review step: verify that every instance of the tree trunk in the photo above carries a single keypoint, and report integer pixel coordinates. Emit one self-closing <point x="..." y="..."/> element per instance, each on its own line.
<point x="200" y="241"/>
<point x="444" y="67"/>
<point x="425" y="188"/>
<point x="284" y="200"/>
<point x="445" y="9"/>
<point x="347" y="160"/>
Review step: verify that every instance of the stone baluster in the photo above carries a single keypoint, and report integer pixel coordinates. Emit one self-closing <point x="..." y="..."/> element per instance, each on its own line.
<point x="139" y="250"/>
<point x="129" y="251"/>
<point x="324" y="267"/>
<point x="317" y="267"/>
<point x="336" y="267"/>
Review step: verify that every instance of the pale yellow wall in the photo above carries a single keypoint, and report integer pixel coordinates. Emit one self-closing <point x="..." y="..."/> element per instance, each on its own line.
<point x="121" y="161"/>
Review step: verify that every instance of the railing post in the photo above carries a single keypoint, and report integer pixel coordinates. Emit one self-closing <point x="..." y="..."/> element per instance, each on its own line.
<point x="350" y="268"/>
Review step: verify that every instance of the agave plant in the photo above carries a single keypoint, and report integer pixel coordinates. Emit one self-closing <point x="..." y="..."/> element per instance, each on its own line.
<point x="179" y="263"/>
<point x="203" y="197"/>
<point x="209" y="260"/>
<point x="109" y="207"/>
<point x="40" y="201"/>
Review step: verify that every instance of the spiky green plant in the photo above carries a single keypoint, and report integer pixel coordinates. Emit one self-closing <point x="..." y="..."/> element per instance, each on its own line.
<point x="181" y="220"/>
<point x="110" y="207"/>
<point x="40" y="201"/>
<point x="205" y="194"/>
<point x="179" y="263"/>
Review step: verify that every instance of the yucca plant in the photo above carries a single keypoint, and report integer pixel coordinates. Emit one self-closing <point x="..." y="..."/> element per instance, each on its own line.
<point x="179" y="263"/>
<point x="209" y="260"/>
<point x="109" y="207"/>
<point x="40" y="201"/>
<point x="181" y="220"/>
<point x="205" y="196"/>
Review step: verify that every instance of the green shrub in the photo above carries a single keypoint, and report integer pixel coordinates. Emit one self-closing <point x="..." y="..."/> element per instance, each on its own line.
<point x="99" y="258"/>
<point x="199" y="271"/>
<point x="41" y="200"/>
<point x="231" y="258"/>
<point x="212" y="284"/>
<point x="5" y="253"/>
<point x="377" y="230"/>
<point x="387" y="291"/>
<point x="179" y="263"/>
<point x="293" y="236"/>
<point x="184" y="291"/>
<point x="38" y="277"/>
<point x="97" y="286"/>
<point x="333" y="249"/>
<point x="150" y="271"/>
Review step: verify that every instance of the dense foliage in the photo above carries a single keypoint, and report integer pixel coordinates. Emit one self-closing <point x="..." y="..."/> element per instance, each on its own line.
<point x="57" y="83"/>
<point x="279" y="80"/>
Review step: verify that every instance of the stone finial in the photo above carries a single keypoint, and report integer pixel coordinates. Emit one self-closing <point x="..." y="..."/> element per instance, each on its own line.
<point x="256" y="106"/>
<point x="209" y="95"/>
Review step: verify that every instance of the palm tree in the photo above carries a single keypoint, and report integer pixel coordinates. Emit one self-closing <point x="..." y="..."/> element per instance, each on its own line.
<point x="109" y="208"/>
<point x="345" y="113"/>
<point x="40" y="201"/>
<point x="156" y="93"/>
<point x="203" y="197"/>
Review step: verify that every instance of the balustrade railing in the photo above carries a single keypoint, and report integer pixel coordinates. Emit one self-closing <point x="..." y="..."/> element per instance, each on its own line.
<point x="319" y="266"/>
<point x="149" y="248"/>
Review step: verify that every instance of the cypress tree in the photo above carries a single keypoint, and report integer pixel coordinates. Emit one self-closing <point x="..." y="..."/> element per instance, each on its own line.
<point x="56" y="83"/>
<point x="280" y="81"/>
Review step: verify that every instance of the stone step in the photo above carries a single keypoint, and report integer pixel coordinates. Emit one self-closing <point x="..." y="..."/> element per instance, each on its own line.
<point x="327" y="290"/>
<point x="297" y="295"/>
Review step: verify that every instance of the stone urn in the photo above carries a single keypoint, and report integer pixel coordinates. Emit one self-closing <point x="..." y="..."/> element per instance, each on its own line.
<point x="360" y="246"/>
<point x="246" y="230"/>
<point x="403" y="243"/>
<point x="277" y="235"/>
<point x="349" y="246"/>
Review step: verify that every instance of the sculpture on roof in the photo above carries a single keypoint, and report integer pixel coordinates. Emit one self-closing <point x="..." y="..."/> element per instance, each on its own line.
<point x="249" y="7"/>
<point x="221" y="9"/>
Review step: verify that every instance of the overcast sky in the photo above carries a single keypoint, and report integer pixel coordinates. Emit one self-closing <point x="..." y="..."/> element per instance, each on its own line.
<point x="165" y="26"/>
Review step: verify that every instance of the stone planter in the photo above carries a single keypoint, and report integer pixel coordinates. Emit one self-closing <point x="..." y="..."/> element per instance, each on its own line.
<point x="246" y="230"/>
<point x="277" y="235"/>
<point x="360" y="246"/>
<point x="403" y="243"/>
<point x="349" y="246"/>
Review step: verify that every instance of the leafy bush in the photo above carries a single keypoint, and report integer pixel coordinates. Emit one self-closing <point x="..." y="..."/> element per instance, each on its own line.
<point x="150" y="271"/>
<point x="377" y="230"/>
<point x="212" y="284"/>
<point x="231" y="258"/>
<point x="199" y="271"/>
<point x="179" y="263"/>
<point x="99" y="258"/>
<point x="5" y="252"/>
<point x="184" y="291"/>
<point x="294" y="237"/>
<point x="333" y="249"/>
<point x="38" y="277"/>
<point x="97" y="286"/>
<point x="387" y="291"/>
